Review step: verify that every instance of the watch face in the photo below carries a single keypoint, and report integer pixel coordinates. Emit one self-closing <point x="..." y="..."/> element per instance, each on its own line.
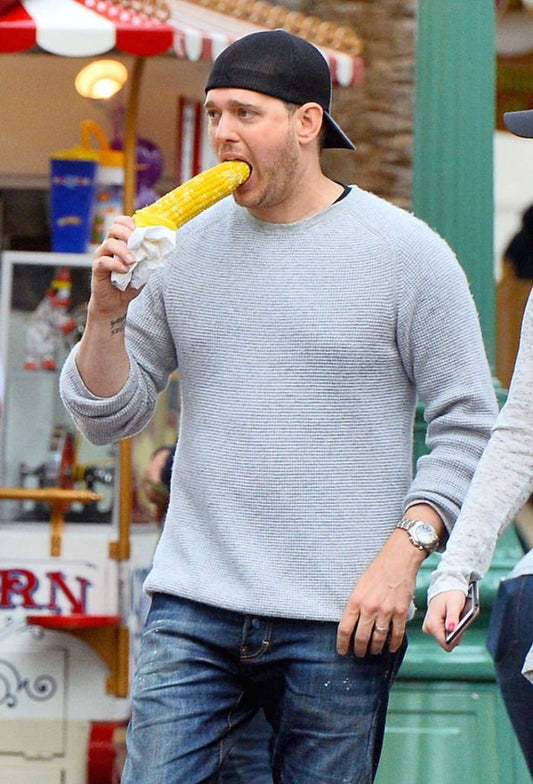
<point x="425" y="533"/>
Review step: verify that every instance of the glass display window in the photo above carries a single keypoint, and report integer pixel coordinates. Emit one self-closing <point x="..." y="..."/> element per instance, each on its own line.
<point x="39" y="445"/>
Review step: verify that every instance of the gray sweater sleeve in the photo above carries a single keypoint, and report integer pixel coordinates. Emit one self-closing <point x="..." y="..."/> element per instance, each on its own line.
<point x="441" y="345"/>
<point x="107" y="420"/>
<point x="501" y="484"/>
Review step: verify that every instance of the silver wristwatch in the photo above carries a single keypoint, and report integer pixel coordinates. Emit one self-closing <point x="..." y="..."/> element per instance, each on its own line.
<point x="421" y="534"/>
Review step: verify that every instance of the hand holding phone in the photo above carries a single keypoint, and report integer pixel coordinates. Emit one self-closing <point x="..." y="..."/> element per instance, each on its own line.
<point x="468" y="615"/>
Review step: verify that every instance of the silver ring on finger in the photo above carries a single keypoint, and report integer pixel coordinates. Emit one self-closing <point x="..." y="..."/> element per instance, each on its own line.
<point x="381" y="629"/>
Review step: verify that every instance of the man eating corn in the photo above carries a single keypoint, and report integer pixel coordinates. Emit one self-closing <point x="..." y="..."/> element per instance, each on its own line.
<point x="306" y="317"/>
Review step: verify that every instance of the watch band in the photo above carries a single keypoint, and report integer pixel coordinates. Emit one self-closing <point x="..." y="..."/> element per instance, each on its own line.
<point x="427" y="538"/>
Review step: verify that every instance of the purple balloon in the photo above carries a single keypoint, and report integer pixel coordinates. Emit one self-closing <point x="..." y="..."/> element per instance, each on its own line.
<point x="149" y="169"/>
<point x="149" y="162"/>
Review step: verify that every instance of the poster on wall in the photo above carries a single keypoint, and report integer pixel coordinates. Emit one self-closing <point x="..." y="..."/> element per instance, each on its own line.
<point x="193" y="153"/>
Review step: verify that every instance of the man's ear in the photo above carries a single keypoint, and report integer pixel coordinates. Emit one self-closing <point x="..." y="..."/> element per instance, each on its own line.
<point x="308" y="122"/>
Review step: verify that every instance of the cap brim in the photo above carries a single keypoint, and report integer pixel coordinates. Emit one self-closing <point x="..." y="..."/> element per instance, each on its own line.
<point x="335" y="136"/>
<point x="520" y="123"/>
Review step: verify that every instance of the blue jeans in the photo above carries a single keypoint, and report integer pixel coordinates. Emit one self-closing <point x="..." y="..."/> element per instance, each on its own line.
<point x="509" y="639"/>
<point x="203" y="672"/>
<point x="249" y="761"/>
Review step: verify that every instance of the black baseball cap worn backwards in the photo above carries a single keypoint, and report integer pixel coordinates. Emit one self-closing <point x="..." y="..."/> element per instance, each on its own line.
<point x="277" y="63"/>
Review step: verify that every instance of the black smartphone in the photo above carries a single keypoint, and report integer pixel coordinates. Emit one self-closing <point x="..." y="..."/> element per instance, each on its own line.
<point x="469" y="613"/>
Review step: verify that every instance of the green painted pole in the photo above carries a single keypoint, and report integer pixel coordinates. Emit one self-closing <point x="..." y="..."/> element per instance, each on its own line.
<point x="453" y="139"/>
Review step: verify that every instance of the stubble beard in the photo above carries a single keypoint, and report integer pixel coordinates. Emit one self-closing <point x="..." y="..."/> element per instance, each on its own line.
<point x="278" y="177"/>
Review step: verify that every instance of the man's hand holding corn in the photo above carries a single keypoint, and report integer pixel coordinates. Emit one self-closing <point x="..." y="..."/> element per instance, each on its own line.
<point x="115" y="259"/>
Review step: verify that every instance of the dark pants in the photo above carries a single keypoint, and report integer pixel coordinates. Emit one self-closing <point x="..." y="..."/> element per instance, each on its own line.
<point x="203" y="673"/>
<point x="509" y="639"/>
<point x="250" y="759"/>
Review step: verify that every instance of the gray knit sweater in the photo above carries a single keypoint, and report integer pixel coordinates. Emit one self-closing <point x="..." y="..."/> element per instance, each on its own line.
<point x="302" y="348"/>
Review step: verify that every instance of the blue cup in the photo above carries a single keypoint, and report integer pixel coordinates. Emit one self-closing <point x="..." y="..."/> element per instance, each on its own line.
<point x="72" y="190"/>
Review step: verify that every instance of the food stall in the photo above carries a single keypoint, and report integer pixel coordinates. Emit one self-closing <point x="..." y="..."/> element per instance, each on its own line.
<point x="72" y="563"/>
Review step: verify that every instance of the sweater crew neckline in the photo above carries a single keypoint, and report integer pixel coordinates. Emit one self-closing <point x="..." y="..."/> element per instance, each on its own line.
<point x="309" y="221"/>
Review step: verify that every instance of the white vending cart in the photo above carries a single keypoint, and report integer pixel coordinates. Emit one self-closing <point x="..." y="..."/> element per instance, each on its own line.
<point x="71" y="574"/>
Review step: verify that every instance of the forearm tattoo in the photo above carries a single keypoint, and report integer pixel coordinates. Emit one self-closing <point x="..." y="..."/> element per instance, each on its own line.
<point x="118" y="325"/>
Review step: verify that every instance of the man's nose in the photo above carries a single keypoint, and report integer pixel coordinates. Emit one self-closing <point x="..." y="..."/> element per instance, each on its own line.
<point x="225" y="127"/>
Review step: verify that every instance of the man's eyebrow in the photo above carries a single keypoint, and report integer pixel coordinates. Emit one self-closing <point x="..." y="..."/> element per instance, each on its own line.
<point x="230" y="104"/>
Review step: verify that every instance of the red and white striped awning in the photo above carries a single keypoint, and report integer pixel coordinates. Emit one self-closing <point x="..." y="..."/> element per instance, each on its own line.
<point x="81" y="28"/>
<point x="86" y="28"/>
<point x="201" y="33"/>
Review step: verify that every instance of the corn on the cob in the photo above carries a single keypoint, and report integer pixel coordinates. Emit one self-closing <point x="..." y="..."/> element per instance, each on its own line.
<point x="197" y="194"/>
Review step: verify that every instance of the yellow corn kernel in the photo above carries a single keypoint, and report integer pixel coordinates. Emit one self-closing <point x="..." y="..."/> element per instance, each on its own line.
<point x="197" y="194"/>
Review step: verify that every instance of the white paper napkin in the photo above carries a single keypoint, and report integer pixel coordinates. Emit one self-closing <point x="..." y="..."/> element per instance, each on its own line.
<point x="151" y="245"/>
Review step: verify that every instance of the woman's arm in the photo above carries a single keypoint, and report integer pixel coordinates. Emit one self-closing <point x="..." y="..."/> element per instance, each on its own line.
<point x="502" y="483"/>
